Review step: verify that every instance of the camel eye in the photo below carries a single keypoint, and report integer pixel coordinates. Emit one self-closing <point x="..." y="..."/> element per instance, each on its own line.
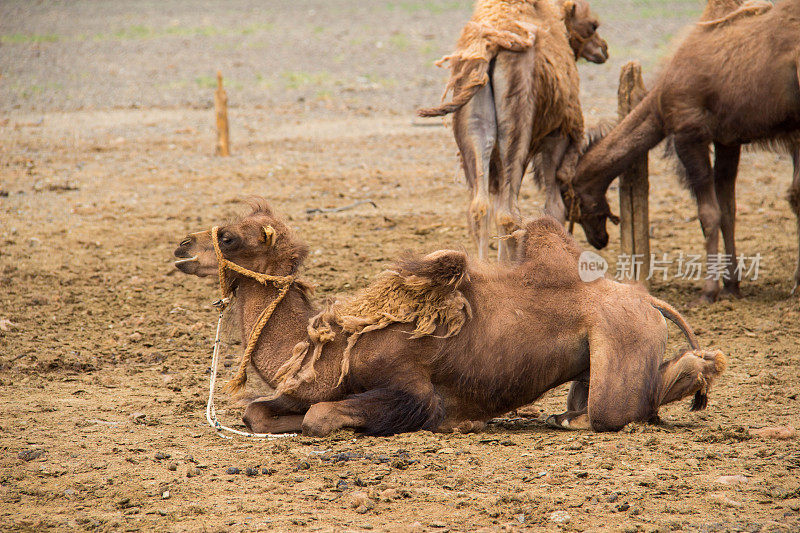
<point x="227" y="240"/>
<point x="185" y="242"/>
<point x="595" y="25"/>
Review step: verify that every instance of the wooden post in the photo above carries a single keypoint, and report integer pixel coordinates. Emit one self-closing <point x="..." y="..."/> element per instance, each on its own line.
<point x="221" y="107"/>
<point x="634" y="185"/>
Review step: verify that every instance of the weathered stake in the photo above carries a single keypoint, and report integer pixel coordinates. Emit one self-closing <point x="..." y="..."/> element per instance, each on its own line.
<point x="221" y="107"/>
<point x="634" y="186"/>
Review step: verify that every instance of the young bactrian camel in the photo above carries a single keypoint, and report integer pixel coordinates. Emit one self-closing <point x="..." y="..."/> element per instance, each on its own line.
<point x="733" y="81"/>
<point x="443" y="344"/>
<point x="516" y="94"/>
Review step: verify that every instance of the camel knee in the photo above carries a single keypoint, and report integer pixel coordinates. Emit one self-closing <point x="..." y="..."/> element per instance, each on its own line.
<point x="710" y="218"/>
<point x="478" y="211"/>
<point x="322" y="419"/>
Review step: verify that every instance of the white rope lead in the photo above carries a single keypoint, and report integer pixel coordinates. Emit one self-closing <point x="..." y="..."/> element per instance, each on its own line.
<point x="211" y="412"/>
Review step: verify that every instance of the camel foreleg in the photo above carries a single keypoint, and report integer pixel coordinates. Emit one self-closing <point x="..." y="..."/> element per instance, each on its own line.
<point x="377" y="412"/>
<point x="693" y="153"/>
<point x="726" y="166"/>
<point x="279" y="415"/>
<point x="794" y="202"/>
<point x="553" y="149"/>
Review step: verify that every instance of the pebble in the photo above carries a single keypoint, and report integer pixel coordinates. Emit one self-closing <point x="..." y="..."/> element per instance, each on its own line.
<point x="777" y="432"/>
<point x="268" y="471"/>
<point x="623" y="507"/>
<point x="161" y="455"/>
<point x="250" y="471"/>
<point x="341" y="486"/>
<point x="303" y="465"/>
<point x="361" y="502"/>
<point x="30" y="455"/>
<point x="232" y="470"/>
<point x="172" y="467"/>
<point x="165" y="495"/>
<point x="69" y="493"/>
<point x="560" y="517"/>
<point x="193" y="472"/>
<point x="732" y="480"/>
<point x="389" y="495"/>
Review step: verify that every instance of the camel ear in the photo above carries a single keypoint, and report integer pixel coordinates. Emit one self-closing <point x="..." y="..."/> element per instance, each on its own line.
<point x="569" y="9"/>
<point x="269" y="235"/>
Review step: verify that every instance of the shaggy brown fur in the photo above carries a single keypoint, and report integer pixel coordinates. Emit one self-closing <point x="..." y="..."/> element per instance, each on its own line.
<point x="733" y="81"/>
<point x="444" y="343"/>
<point x="516" y="94"/>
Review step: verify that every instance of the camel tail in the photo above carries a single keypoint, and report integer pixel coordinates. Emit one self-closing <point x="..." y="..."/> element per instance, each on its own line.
<point x="675" y="317"/>
<point x="468" y="77"/>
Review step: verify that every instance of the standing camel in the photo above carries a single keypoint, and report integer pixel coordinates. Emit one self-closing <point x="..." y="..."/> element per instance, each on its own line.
<point x="516" y="94"/>
<point x="733" y="81"/>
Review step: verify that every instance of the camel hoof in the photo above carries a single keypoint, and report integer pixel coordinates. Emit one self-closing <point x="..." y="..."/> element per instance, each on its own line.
<point x="553" y="422"/>
<point x="732" y="292"/>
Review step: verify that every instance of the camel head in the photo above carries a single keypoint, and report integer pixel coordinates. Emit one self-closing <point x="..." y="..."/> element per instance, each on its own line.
<point x="591" y="212"/>
<point x="259" y="241"/>
<point x="582" y="25"/>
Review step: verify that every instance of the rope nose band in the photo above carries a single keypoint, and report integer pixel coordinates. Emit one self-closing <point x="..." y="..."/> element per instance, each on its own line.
<point x="282" y="283"/>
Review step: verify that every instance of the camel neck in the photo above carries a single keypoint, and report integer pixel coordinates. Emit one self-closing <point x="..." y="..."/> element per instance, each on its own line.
<point x="284" y="329"/>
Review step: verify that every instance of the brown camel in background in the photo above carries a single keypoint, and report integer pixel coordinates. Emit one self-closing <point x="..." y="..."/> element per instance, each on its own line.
<point x="733" y="81"/>
<point x="441" y="343"/>
<point x="515" y="95"/>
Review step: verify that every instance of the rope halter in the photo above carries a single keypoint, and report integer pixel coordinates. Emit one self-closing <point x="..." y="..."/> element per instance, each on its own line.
<point x="282" y="283"/>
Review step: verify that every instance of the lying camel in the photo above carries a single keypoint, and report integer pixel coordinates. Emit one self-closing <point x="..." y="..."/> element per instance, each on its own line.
<point x="715" y="89"/>
<point x="440" y="342"/>
<point x="515" y="95"/>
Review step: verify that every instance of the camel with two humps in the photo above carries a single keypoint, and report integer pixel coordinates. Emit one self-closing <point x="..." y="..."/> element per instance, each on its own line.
<point x="734" y="81"/>
<point x="515" y="97"/>
<point x="442" y="342"/>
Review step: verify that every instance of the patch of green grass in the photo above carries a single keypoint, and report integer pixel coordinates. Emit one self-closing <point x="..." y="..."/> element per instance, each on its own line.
<point x="257" y="27"/>
<point x="23" y="38"/>
<point x="295" y="79"/>
<point x="434" y="7"/>
<point x="399" y="41"/>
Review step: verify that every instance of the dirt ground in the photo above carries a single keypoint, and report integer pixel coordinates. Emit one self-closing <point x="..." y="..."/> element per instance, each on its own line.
<point x="106" y="162"/>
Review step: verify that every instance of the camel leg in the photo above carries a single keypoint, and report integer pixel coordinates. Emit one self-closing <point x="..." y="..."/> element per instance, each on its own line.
<point x="553" y="149"/>
<point x="377" y="412"/>
<point x="794" y="201"/>
<point x="513" y="100"/>
<point x="692" y="372"/>
<point x="693" y="154"/>
<point x="475" y="130"/>
<point x="576" y="416"/>
<point x="281" y="415"/>
<point x="726" y="166"/>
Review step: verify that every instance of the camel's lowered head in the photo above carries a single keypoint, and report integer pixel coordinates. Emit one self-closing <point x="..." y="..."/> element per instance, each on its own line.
<point x="259" y="241"/>
<point x="582" y="25"/>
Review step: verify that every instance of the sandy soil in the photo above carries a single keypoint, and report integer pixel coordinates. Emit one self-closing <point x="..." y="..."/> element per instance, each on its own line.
<point x="104" y="348"/>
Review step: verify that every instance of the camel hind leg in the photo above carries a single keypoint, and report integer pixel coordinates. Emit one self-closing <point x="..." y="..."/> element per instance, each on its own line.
<point x="513" y="99"/>
<point x="726" y="166"/>
<point x="794" y="202"/>
<point x="475" y="130"/>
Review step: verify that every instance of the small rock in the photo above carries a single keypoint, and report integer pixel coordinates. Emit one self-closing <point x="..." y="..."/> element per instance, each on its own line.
<point x="438" y="525"/>
<point x="138" y="417"/>
<point x="612" y="497"/>
<point x="135" y="337"/>
<point x="446" y="451"/>
<point x="361" y="502"/>
<point x="732" y="480"/>
<point x="722" y="500"/>
<point x="268" y="471"/>
<point x="341" y="486"/>
<point x="70" y="493"/>
<point x="777" y="432"/>
<point x="193" y="472"/>
<point x="560" y="517"/>
<point x="165" y="495"/>
<point x="303" y="465"/>
<point x="30" y="455"/>
<point x="161" y="455"/>
<point x="172" y="467"/>
<point x="232" y="470"/>
<point x="389" y="495"/>
<point x="250" y="471"/>
<point x="623" y="507"/>
<point x="299" y="479"/>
